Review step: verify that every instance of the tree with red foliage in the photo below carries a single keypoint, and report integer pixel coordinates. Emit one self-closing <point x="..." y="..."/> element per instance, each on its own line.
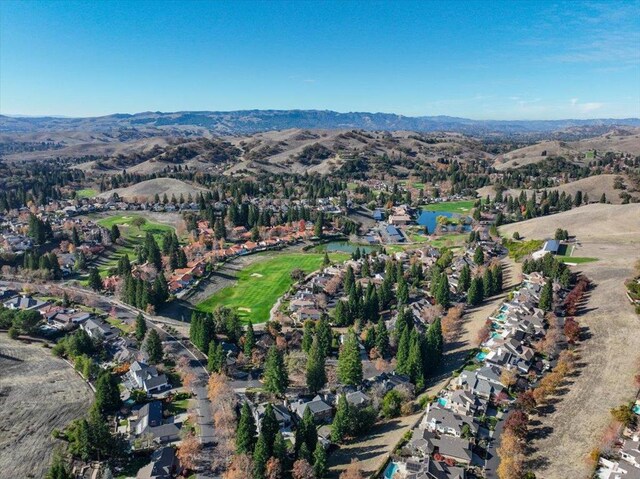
<point x="572" y="330"/>
<point x="517" y="423"/>
<point x="526" y="402"/>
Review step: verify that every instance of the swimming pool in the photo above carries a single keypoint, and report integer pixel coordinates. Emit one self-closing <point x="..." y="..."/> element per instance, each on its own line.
<point x="390" y="471"/>
<point x="481" y="355"/>
<point x="443" y="402"/>
<point x="501" y="317"/>
<point x="636" y="409"/>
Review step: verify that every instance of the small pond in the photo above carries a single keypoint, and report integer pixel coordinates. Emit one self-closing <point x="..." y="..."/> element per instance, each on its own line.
<point x="430" y="220"/>
<point x="346" y="247"/>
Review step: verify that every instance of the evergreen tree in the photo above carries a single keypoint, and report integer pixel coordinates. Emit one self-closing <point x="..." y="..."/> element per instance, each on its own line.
<point x="487" y="283"/>
<point x="269" y="427"/>
<point x="276" y="379"/>
<point x="546" y="296"/>
<point x="307" y="335"/>
<point x="349" y="361"/>
<point x="320" y="461"/>
<point x="249" y="340"/>
<point x="215" y="358"/>
<point x="402" y="355"/>
<point x="260" y="458"/>
<point x="246" y="432"/>
<point x="474" y="295"/>
<point x="107" y="397"/>
<point x="325" y="260"/>
<point x="59" y="469"/>
<point x="325" y="336"/>
<point x="114" y="233"/>
<point x="153" y="347"/>
<point x="415" y="360"/>
<point x="382" y="339"/>
<point x="434" y="344"/>
<point x="442" y="291"/>
<point x="280" y="450"/>
<point x="478" y="256"/>
<point x="95" y="281"/>
<point x="141" y="327"/>
<point x="341" y="426"/>
<point x="316" y="374"/>
<point x="465" y="278"/>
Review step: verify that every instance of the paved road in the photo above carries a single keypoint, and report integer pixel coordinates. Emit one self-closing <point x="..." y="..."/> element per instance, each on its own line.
<point x="179" y="345"/>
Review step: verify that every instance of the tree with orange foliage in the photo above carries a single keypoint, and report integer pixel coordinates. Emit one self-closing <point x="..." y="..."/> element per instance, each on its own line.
<point x="353" y="471"/>
<point x="451" y="324"/>
<point x="241" y="467"/>
<point x="302" y="470"/>
<point x="273" y="469"/>
<point x="189" y="451"/>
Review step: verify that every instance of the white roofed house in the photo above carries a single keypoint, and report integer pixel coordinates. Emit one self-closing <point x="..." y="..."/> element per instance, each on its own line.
<point x="448" y="422"/>
<point x="147" y="378"/>
<point x="98" y="329"/>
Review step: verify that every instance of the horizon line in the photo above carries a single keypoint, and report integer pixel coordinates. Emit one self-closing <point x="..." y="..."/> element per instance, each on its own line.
<point x="73" y="117"/>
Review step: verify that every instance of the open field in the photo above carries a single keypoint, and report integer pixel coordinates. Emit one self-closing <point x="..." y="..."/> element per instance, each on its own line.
<point x="574" y="423"/>
<point x="260" y="284"/>
<point x="38" y="393"/>
<point x="160" y="186"/>
<point x="86" y="193"/>
<point x="575" y="259"/>
<point x="593" y="186"/>
<point x="460" y="207"/>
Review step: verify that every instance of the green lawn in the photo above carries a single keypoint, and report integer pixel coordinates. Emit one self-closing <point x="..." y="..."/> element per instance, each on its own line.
<point x="460" y="207"/>
<point x="575" y="259"/>
<point x="86" y="193"/>
<point x="132" y="235"/>
<point x="121" y="325"/>
<point x="520" y="249"/>
<point x="260" y="284"/>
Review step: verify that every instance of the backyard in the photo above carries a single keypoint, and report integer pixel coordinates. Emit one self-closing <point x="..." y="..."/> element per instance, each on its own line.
<point x="259" y="285"/>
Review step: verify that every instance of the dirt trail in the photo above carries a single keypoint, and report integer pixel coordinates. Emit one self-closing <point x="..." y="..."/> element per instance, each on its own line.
<point x="38" y="393"/>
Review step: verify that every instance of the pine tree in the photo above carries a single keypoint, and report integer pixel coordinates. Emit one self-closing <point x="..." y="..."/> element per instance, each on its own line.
<point x="325" y="260"/>
<point x="465" y="278"/>
<point x="260" y="458"/>
<point x="269" y="427"/>
<point x="325" y="336"/>
<point x="546" y="296"/>
<point x="402" y="355"/>
<point x="307" y="335"/>
<point x="349" y="361"/>
<point x="382" y="339"/>
<point x="246" y="432"/>
<point x="487" y="284"/>
<point x="107" y="397"/>
<point x="320" y="461"/>
<point x="280" y="450"/>
<point x="442" y="291"/>
<point x="276" y="379"/>
<point x="415" y="361"/>
<point x="474" y="295"/>
<point x="316" y="374"/>
<point x="95" y="281"/>
<point x="153" y="347"/>
<point x="141" y="327"/>
<point x="434" y="344"/>
<point x="478" y="256"/>
<point x="249" y="340"/>
<point x="59" y="469"/>
<point x="341" y="426"/>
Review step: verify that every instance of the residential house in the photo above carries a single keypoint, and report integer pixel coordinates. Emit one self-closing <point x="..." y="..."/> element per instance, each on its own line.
<point x="147" y="378"/>
<point x="162" y="465"/>
<point x="448" y="422"/>
<point x="98" y="329"/>
<point x="320" y="410"/>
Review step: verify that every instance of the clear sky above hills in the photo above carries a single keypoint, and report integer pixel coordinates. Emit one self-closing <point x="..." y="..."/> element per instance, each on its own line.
<point x="497" y="60"/>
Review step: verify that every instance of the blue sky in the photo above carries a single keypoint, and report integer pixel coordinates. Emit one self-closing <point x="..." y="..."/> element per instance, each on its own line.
<point x="497" y="60"/>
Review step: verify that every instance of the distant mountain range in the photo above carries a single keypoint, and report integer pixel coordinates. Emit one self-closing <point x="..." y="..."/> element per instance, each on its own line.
<point x="253" y="121"/>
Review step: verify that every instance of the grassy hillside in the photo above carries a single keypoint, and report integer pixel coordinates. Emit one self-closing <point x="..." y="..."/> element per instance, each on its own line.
<point x="259" y="285"/>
